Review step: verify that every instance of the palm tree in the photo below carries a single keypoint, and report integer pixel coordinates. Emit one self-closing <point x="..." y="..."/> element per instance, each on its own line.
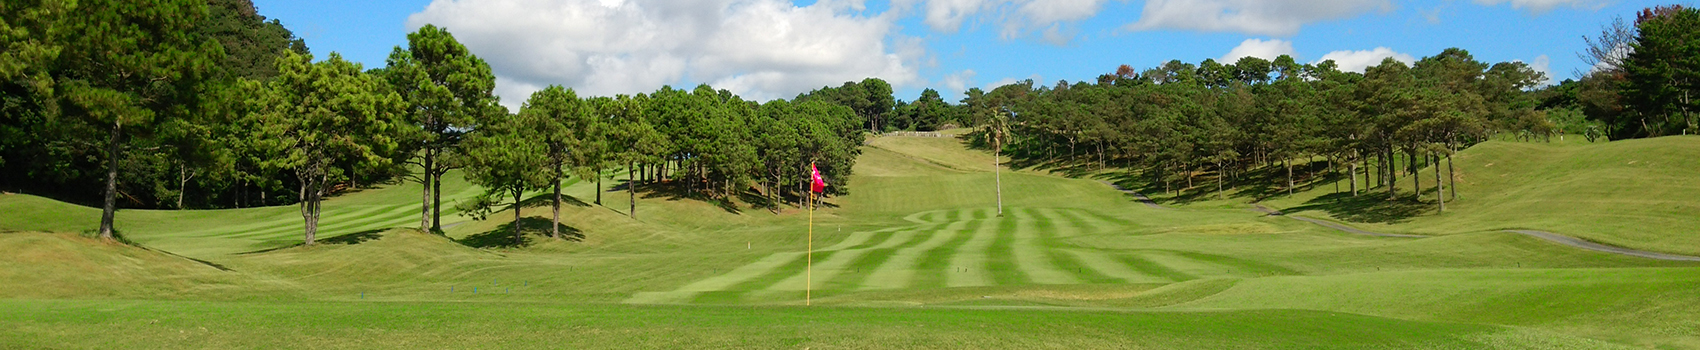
<point x="997" y="130"/>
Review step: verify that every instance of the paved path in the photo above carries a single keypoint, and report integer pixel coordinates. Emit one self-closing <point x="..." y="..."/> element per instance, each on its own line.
<point x="1142" y="198"/>
<point x="1329" y="224"/>
<point x="1575" y="242"/>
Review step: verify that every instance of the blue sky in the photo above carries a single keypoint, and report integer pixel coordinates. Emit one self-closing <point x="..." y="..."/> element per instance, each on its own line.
<point x="765" y="49"/>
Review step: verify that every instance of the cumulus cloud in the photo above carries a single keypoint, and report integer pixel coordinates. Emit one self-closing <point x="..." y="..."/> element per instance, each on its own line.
<point x="1256" y="17"/>
<point x="1259" y="48"/>
<point x="760" y="49"/>
<point x="958" y="82"/>
<point x="1051" y="20"/>
<point x="1542" y="64"/>
<point x="946" y="15"/>
<point x="1359" y="61"/>
<point x="1542" y="6"/>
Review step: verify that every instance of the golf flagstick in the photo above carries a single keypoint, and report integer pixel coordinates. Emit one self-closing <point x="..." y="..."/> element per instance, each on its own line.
<point x="816" y="185"/>
<point x="809" y="272"/>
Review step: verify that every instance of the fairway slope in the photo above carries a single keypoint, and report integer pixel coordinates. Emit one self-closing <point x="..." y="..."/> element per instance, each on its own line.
<point x="59" y="265"/>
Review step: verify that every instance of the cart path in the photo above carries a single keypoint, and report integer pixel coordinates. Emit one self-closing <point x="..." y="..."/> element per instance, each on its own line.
<point x="1579" y="243"/>
<point x="1141" y="196"/>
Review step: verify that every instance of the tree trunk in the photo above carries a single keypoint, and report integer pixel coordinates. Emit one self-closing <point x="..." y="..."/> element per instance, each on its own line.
<point x="598" y="186"/>
<point x="1332" y="173"/>
<point x="1352" y="167"/>
<point x="1416" y="176"/>
<point x="1392" y="178"/>
<point x="425" y="193"/>
<point x="555" y="227"/>
<point x="517" y="239"/>
<point x="1439" y="186"/>
<point x="1451" y="176"/>
<point x="997" y="174"/>
<point x="109" y="209"/>
<point x="309" y="208"/>
<point x="631" y="188"/>
<point x="182" y="182"/>
<point x="1288" y="162"/>
<point x="437" y="201"/>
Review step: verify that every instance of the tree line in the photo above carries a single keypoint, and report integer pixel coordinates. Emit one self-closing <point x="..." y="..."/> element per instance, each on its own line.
<point x="1179" y="122"/>
<point x="206" y="104"/>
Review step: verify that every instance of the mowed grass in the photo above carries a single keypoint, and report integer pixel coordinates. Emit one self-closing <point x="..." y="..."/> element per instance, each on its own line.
<point x="915" y="256"/>
<point x="363" y="325"/>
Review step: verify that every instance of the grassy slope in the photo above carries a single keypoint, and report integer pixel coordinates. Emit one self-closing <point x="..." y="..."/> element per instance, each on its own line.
<point x="1634" y="193"/>
<point x="1196" y="277"/>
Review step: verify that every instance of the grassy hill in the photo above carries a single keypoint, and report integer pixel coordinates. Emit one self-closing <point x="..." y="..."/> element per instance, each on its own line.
<point x="1634" y="193"/>
<point x="914" y="256"/>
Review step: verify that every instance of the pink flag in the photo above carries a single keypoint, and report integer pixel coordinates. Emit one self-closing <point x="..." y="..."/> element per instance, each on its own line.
<point x="819" y="182"/>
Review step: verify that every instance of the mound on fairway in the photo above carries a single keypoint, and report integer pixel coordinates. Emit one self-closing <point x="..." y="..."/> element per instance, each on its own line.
<point x="65" y="265"/>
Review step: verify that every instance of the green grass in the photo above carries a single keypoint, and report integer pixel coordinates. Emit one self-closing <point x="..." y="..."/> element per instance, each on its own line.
<point x="915" y="256"/>
<point x="1634" y="193"/>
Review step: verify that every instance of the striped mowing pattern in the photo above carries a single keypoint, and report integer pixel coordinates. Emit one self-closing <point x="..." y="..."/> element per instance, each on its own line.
<point x="958" y="248"/>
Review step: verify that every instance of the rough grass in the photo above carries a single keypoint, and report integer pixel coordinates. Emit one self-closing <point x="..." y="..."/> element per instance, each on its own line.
<point x="915" y="256"/>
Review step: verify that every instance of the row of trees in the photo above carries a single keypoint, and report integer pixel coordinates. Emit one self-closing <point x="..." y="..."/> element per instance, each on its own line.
<point x="704" y="143"/>
<point x="206" y="104"/>
<point x="1179" y="121"/>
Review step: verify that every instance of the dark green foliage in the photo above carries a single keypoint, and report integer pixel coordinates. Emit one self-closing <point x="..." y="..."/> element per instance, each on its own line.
<point x="1178" y="122"/>
<point x="251" y="43"/>
<point x="448" y="91"/>
<point x="1661" y="82"/>
<point x="323" y="123"/>
<point x="870" y="99"/>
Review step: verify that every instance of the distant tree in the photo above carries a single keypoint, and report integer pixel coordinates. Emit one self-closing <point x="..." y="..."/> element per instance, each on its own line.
<point x="447" y="90"/>
<point x="997" y="131"/>
<point x="554" y="116"/>
<point x="1662" y="73"/>
<point x="633" y="139"/>
<point x="507" y="157"/>
<point x="314" y="116"/>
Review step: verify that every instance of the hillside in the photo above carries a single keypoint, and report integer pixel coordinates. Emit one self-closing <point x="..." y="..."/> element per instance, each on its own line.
<point x="1642" y="194"/>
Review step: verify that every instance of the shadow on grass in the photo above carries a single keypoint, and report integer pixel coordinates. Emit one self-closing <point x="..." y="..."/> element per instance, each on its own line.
<point x="530" y="228"/>
<point x="1370" y="207"/>
<point x="354" y="238"/>
<point x="679" y="189"/>
<point x="547" y="199"/>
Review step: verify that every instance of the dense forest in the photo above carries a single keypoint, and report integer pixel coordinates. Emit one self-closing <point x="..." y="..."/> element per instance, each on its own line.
<point x="197" y="104"/>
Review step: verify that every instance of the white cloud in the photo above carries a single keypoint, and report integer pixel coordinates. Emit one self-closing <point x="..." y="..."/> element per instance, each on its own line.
<point x="958" y="82"/>
<point x="946" y="15"/>
<point x="1358" y="61"/>
<point x="1267" y="50"/>
<point x="1542" y="6"/>
<point x="1543" y="64"/>
<point x="760" y="49"/>
<point x="1256" y="17"/>
<point x="1050" y="19"/>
